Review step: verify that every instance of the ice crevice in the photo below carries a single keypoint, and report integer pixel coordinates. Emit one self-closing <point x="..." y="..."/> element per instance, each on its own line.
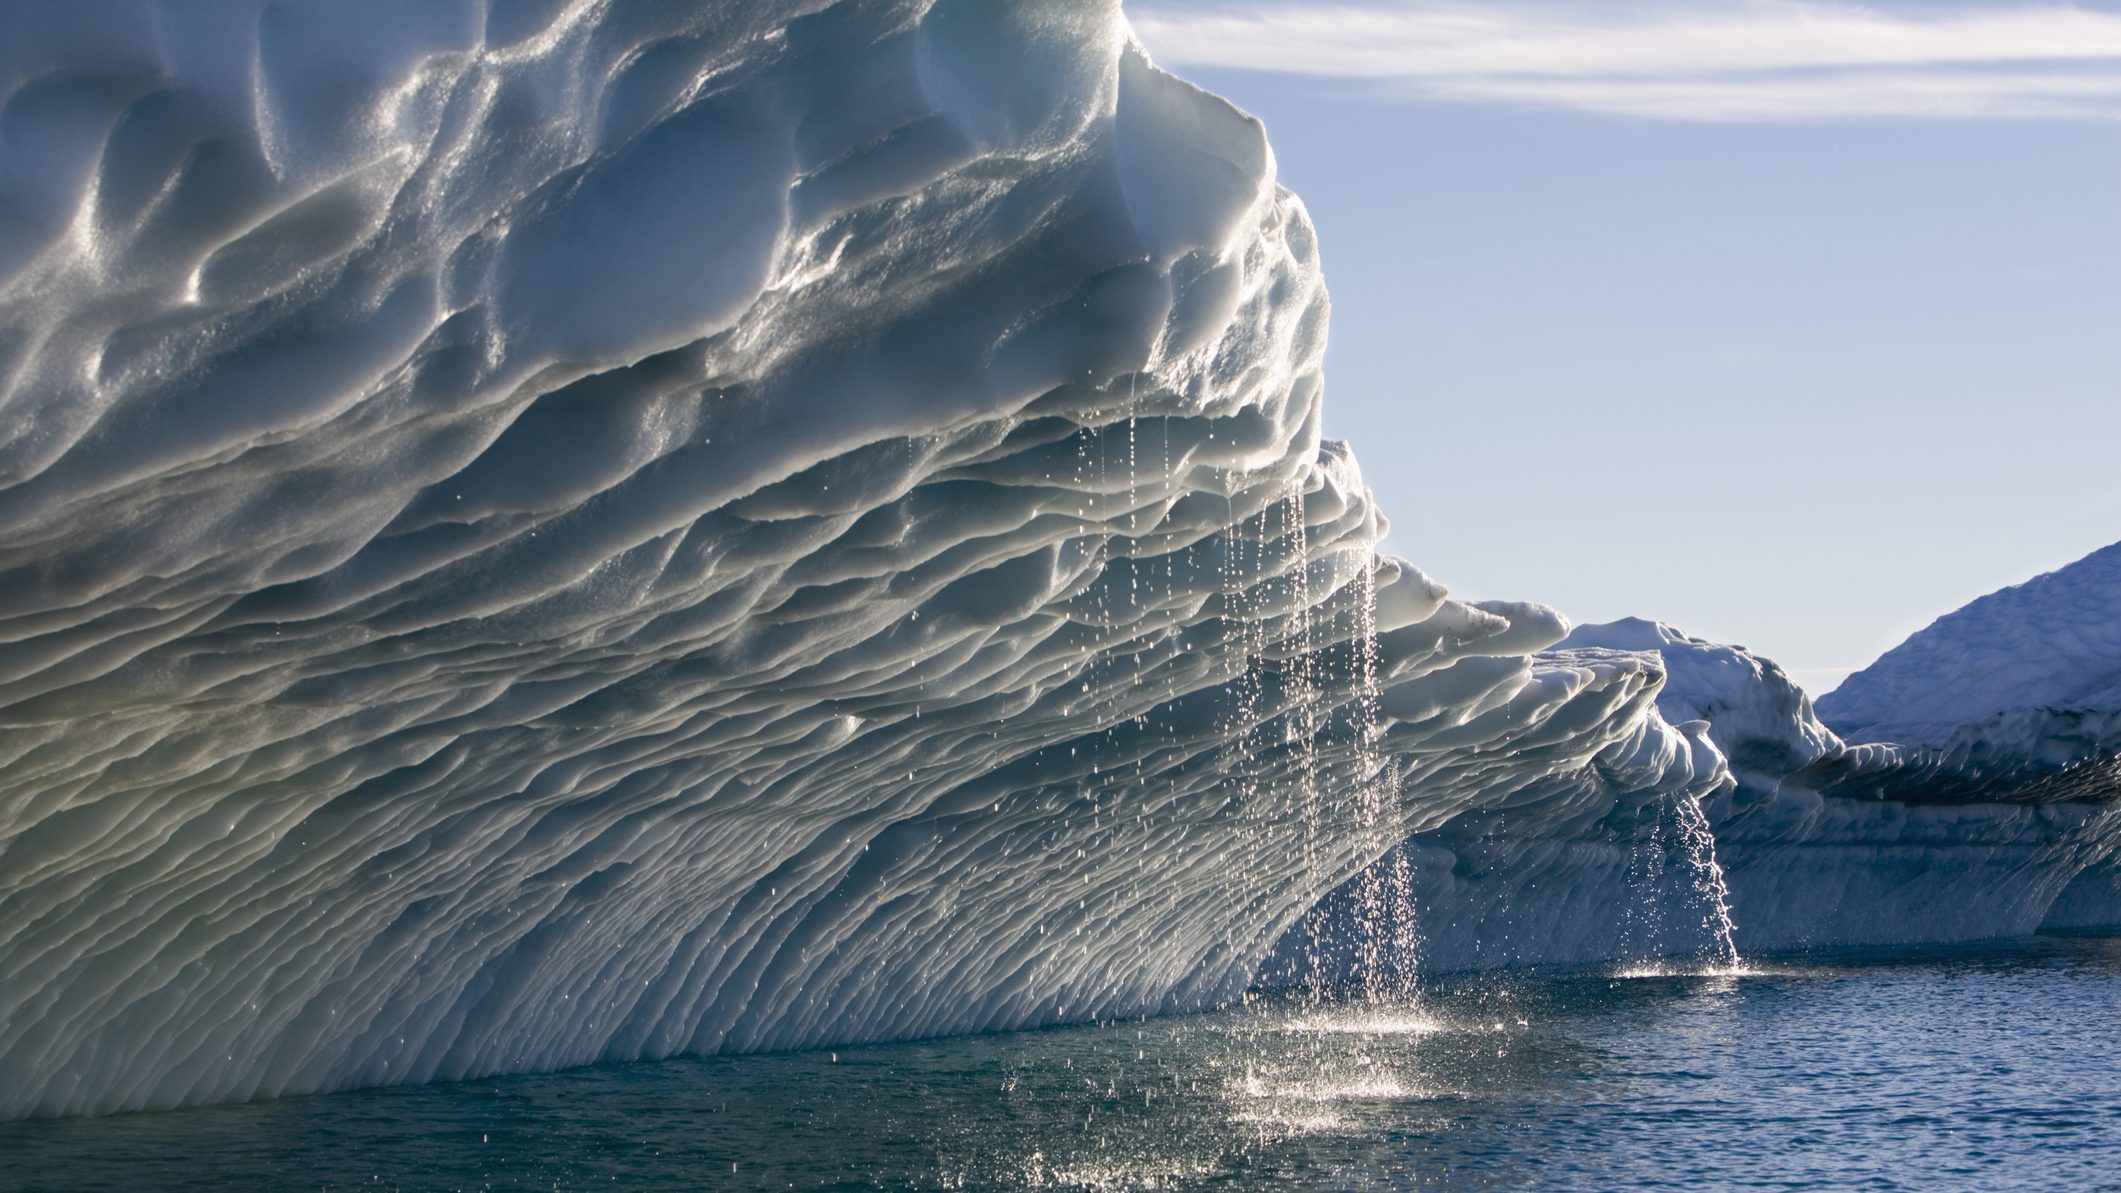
<point x="542" y="532"/>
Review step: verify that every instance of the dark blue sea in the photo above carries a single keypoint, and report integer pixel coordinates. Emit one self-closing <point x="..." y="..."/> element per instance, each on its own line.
<point x="1986" y="1067"/>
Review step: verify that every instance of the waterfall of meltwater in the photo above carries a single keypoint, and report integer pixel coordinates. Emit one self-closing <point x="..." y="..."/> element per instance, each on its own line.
<point x="1673" y="873"/>
<point x="1387" y="946"/>
<point x="1302" y="722"/>
<point x="1699" y="842"/>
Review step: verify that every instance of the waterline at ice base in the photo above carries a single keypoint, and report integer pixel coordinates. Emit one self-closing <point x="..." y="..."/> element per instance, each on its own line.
<point x="541" y="533"/>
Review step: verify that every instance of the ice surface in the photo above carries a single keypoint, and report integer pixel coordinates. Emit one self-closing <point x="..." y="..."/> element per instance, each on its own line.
<point x="537" y="532"/>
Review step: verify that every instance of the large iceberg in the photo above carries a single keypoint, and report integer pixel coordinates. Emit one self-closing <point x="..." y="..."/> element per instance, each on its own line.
<point x="539" y="532"/>
<point x="545" y="531"/>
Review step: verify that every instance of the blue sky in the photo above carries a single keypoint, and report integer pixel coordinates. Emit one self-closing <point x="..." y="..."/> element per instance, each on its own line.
<point x="1795" y="325"/>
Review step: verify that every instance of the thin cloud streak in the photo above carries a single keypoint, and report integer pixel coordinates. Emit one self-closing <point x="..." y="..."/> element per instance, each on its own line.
<point x="1750" y="60"/>
<point x="1897" y="94"/>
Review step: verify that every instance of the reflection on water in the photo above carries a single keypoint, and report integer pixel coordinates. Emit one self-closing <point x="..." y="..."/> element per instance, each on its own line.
<point x="1998" y="1066"/>
<point x="1684" y="969"/>
<point x="1361" y="1019"/>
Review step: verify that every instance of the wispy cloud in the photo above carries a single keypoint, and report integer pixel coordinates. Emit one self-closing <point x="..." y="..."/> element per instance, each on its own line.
<point x="1705" y="60"/>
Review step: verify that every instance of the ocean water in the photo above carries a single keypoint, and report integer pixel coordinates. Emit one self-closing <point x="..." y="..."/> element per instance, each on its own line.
<point x="1985" y="1067"/>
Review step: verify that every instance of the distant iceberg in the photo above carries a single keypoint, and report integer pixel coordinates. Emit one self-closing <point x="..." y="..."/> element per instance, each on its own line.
<point x="2053" y="642"/>
<point x="535" y="533"/>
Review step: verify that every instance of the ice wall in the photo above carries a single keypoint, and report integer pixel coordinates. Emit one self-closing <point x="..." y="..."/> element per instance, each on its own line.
<point x="539" y="532"/>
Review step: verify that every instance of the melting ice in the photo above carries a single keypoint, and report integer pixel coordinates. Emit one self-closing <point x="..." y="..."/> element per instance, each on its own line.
<point x="539" y="533"/>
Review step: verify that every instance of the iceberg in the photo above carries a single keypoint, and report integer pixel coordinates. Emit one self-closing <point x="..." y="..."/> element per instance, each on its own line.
<point x="536" y="532"/>
<point x="1966" y="785"/>
<point x="2053" y="642"/>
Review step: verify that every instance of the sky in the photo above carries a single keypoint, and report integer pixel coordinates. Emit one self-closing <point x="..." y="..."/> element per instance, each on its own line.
<point x="1793" y="325"/>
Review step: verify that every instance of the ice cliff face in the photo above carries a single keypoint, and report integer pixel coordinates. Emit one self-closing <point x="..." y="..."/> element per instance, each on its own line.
<point x="537" y="532"/>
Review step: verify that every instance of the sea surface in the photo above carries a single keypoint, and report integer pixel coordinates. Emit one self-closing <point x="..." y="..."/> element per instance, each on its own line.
<point x="1985" y="1067"/>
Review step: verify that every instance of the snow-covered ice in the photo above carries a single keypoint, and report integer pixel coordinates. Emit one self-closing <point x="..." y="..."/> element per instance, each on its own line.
<point x="2052" y="642"/>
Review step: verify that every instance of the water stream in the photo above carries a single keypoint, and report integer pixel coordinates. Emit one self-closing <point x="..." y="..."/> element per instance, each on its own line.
<point x="1699" y="842"/>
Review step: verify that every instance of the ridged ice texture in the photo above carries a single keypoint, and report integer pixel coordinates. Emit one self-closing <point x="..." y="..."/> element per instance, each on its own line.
<point x="539" y="532"/>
